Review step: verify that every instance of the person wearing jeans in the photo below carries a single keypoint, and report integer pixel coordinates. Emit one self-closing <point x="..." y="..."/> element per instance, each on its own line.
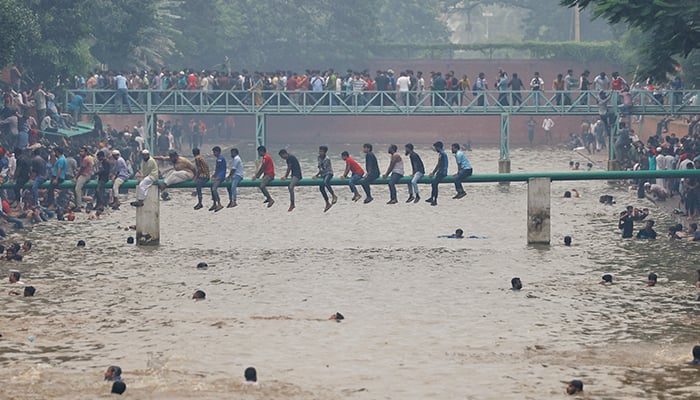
<point x="464" y="170"/>
<point x="352" y="167"/>
<point x="293" y="169"/>
<point x="396" y="171"/>
<point x="267" y="171"/>
<point x="216" y="179"/>
<point x="418" y="172"/>
<point x="439" y="172"/>
<point x="325" y="171"/>
<point x="235" y="176"/>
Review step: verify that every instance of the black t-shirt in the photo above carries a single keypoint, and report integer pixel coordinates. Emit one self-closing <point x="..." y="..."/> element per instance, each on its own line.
<point x="39" y="166"/>
<point x="22" y="169"/>
<point x="103" y="173"/>
<point x="371" y="164"/>
<point x="293" y="164"/>
<point x="417" y="163"/>
<point x="382" y="82"/>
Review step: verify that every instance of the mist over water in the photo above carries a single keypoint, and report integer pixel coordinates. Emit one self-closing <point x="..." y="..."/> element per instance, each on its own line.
<point x="425" y="317"/>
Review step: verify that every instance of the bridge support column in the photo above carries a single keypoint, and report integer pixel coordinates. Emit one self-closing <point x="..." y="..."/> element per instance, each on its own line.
<point x="148" y="219"/>
<point x="538" y="211"/>
<point x="260" y="132"/>
<point x="150" y="130"/>
<point x="504" y="159"/>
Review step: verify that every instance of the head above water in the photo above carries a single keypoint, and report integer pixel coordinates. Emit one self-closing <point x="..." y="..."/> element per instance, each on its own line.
<point x="575" y="386"/>
<point x="607" y="278"/>
<point x="567" y="240"/>
<point x="199" y="295"/>
<point x="567" y="194"/>
<point x="250" y="374"/>
<point x="459" y="233"/>
<point x="14" y="276"/>
<point x="29" y="291"/>
<point x="696" y="353"/>
<point x="113" y="372"/>
<point x="652" y="279"/>
<point x="516" y="284"/>
<point x="81" y="243"/>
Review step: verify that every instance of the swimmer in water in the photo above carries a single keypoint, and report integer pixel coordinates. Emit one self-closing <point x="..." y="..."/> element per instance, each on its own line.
<point x="337" y="317"/>
<point x="567" y="240"/>
<point x="113" y="373"/>
<point x="29" y="291"/>
<point x="651" y="279"/>
<point x="696" y="356"/>
<point x="648" y="231"/>
<point x="81" y="243"/>
<point x="251" y="376"/>
<point x="607" y="280"/>
<point x="459" y="234"/>
<point x="573" y="193"/>
<point x="199" y="295"/>
<point x="118" y="388"/>
<point x="574" y="387"/>
<point x="14" y="276"/>
<point x="516" y="284"/>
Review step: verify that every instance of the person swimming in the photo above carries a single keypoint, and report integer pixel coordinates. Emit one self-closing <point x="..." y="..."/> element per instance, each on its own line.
<point x="29" y="291"/>
<point x="81" y="243"/>
<point x="575" y="386"/>
<point x="199" y="295"/>
<point x="516" y="284"/>
<point x="202" y="265"/>
<point x="567" y="240"/>
<point x="251" y="376"/>
<point x="113" y="373"/>
<point x="459" y="234"/>
<point x="607" y="279"/>
<point x="652" y="279"/>
<point x="337" y="317"/>
<point x="15" y="276"/>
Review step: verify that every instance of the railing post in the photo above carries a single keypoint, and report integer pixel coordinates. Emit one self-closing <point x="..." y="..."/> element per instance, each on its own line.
<point x="148" y="219"/>
<point x="260" y="133"/>
<point x="538" y="211"/>
<point x="504" y="159"/>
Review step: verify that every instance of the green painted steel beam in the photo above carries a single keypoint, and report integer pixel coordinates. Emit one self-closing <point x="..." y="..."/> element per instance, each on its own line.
<point x="482" y="178"/>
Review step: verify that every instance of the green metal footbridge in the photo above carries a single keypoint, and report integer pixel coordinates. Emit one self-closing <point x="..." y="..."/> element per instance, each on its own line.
<point x="430" y="103"/>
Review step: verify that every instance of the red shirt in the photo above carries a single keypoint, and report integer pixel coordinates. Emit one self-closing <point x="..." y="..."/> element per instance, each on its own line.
<point x="354" y="166"/>
<point x="268" y="166"/>
<point x="6" y="207"/>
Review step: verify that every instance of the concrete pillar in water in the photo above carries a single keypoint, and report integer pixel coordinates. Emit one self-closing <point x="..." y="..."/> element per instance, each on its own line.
<point x="148" y="219"/>
<point x="538" y="211"/>
<point x="504" y="168"/>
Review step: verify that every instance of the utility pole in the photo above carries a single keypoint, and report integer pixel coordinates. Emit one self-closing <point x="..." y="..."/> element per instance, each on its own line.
<point x="577" y="23"/>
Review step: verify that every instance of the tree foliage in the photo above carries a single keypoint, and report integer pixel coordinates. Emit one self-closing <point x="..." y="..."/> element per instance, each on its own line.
<point x="672" y="27"/>
<point x="18" y="28"/>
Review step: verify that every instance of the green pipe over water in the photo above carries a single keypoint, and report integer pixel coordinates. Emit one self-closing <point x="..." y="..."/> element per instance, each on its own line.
<point x="482" y="178"/>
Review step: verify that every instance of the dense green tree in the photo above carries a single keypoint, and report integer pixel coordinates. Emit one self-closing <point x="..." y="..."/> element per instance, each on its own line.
<point x="63" y="47"/>
<point x="18" y="29"/>
<point x="673" y="28"/>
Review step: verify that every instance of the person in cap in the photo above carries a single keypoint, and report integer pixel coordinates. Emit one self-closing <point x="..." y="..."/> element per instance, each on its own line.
<point x="148" y="175"/>
<point x="183" y="169"/>
<point x="574" y="387"/>
<point x="120" y="176"/>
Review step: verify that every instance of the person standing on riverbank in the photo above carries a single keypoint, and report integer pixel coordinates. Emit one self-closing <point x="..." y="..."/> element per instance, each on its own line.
<point x="267" y="171"/>
<point x="396" y="171"/>
<point x="216" y="179"/>
<point x="371" y="171"/>
<point x="325" y="172"/>
<point x="439" y="172"/>
<point x="293" y="169"/>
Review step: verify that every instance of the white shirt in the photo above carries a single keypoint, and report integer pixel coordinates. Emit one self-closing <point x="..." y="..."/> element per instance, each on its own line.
<point x="547" y="124"/>
<point x="403" y="83"/>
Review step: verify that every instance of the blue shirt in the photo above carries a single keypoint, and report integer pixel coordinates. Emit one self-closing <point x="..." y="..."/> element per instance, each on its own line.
<point x="462" y="161"/>
<point x="23" y="139"/>
<point x="122" y="169"/>
<point x="76" y="103"/>
<point x="60" y="163"/>
<point x="220" y="171"/>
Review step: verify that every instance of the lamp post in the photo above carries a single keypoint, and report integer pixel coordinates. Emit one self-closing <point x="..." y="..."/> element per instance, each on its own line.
<point x="486" y="15"/>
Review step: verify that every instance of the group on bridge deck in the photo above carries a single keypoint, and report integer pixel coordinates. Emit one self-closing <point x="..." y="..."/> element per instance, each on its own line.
<point x="330" y="92"/>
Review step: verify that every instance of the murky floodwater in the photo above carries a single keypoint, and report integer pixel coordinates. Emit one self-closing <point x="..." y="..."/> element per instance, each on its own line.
<point x="425" y="317"/>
